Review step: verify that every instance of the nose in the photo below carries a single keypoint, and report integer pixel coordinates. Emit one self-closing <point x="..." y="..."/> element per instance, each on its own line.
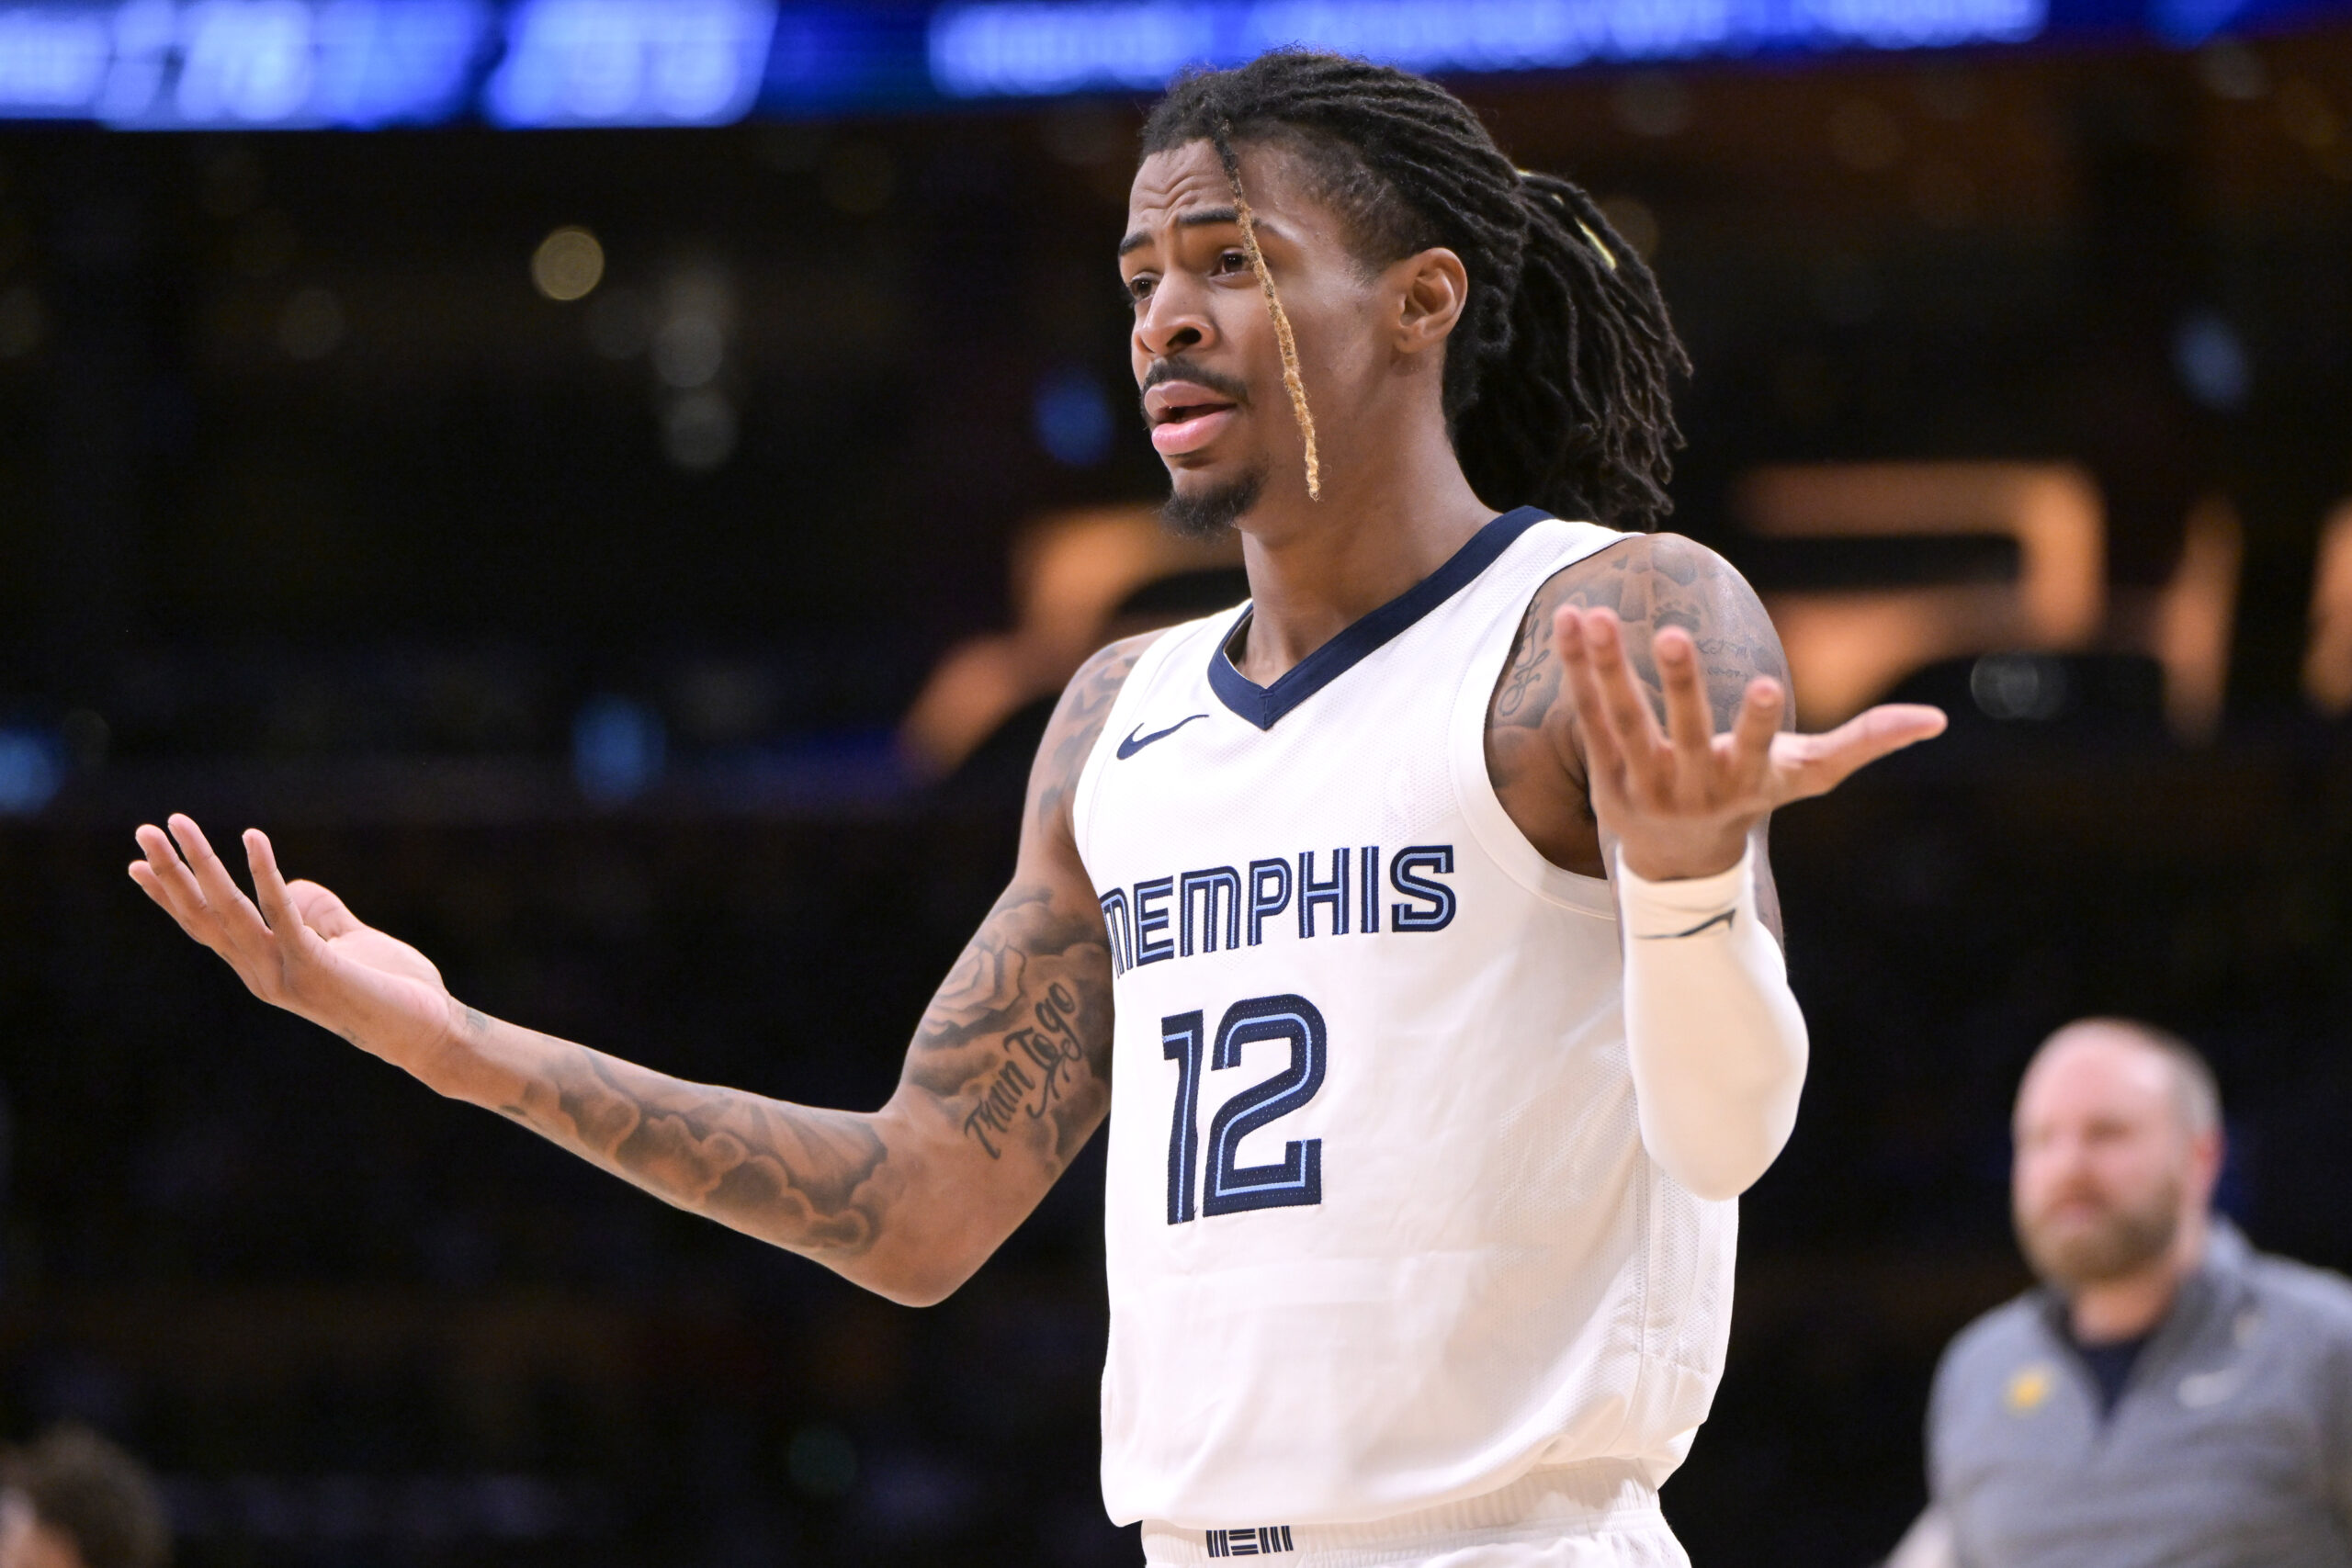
<point x="1172" y="320"/>
<point x="2056" y="1163"/>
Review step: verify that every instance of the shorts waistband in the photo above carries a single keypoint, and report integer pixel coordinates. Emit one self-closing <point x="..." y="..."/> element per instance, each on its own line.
<point x="1557" y="1500"/>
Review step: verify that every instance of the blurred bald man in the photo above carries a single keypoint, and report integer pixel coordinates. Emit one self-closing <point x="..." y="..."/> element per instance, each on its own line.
<point x="2167" y="1395"/>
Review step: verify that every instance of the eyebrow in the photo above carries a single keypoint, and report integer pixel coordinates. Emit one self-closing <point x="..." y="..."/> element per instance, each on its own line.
<point x="1199" y="218"/>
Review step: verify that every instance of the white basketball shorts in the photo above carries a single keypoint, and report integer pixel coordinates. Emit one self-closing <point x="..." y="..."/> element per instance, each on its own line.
<point x="1586" y="1515"/>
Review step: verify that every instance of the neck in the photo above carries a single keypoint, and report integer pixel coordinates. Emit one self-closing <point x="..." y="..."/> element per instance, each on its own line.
<point x="1391" y="513"/>
<point x="2132" y="1304"/>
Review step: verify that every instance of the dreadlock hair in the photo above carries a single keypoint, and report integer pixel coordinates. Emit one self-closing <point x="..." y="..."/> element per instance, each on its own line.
<point x="1292" y="382"/>
<point x="1557" y="380"/>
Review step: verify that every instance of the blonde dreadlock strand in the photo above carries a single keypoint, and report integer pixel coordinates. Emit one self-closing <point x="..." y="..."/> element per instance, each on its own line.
<point x="1292" y="382"/>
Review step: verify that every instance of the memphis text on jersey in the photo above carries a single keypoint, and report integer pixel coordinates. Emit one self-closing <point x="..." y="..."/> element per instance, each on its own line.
<point x="1183" y="913"/>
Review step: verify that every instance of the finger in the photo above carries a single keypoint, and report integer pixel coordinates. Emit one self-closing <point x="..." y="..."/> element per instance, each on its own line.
<point x="1603" y="758"/>
<point x="1752" y="730"/>
<point x="239" y="924"/>
<point x="1689" y="726"/>
<point x="1626" y="706"/>
<point x="149" y="884"/>
<point x="1816" y="764"/>
<point x="299" y="944"/>
<point x="179" y="891"/>
<point x="166" y="878"/>
<point x="277" y="907"/>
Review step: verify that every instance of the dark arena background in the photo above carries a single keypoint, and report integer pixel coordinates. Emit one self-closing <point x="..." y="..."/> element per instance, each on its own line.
<point x="608" y="485"/>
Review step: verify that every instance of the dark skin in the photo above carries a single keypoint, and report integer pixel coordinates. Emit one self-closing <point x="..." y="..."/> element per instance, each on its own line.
<point x="1009" y="1071"/>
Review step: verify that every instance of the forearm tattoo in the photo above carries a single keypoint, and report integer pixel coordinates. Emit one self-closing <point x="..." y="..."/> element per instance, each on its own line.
<point x="1014" y="1053"/>
<point x="808" y="1180"/>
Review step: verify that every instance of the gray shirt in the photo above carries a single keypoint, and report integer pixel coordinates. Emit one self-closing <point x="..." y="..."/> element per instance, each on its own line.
<point x="2232" y="1443"/>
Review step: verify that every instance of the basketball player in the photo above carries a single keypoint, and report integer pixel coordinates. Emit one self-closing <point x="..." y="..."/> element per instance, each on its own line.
<point x="1429" y="983"/>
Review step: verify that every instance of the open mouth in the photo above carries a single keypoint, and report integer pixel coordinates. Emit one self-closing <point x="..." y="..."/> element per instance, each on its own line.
<point x="1185" y="412"/>
<point x="1189" y="428"/>
<point x="1186" y="416"/>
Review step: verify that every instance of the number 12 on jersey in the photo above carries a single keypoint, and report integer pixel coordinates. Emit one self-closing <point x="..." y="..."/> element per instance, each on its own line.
<point x="1297" y="1180"/>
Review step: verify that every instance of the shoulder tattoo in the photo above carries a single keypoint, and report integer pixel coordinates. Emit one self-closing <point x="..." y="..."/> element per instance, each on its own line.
<point x="1649" y="581"/>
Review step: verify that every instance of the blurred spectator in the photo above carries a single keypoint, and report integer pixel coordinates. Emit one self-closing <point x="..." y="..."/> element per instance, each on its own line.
<point x="2168" y="1394"/>
<point x="2327" y="660"/>
<point x="73" y="1500"/>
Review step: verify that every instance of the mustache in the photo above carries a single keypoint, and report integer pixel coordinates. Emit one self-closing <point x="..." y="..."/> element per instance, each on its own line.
<point x="1179" y="369"/>
<point x="2077" y="1192"/>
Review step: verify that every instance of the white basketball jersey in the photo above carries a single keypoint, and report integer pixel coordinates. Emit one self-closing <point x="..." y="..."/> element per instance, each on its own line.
<point x="1381" y="1234"/>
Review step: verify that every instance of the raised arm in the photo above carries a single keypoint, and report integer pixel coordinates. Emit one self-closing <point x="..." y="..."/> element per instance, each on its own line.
<point x="1009" y="1074"/>
<point x="1661" y="630"/>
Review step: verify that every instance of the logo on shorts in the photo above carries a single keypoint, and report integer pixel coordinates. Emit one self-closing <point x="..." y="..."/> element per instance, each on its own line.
<point x="1263" y="1541"/>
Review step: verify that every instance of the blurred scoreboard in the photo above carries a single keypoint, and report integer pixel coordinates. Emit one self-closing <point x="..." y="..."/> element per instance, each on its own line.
<point x="170" y="65"/>
<point x="167" y="64"/>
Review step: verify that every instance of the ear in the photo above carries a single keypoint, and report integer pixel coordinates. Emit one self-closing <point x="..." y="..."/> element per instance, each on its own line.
<point x="1432" y="288"/>
<point x="2207" y="1152"/>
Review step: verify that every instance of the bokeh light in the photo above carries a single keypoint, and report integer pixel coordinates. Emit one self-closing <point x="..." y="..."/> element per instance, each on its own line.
<point x="567" y="264"/>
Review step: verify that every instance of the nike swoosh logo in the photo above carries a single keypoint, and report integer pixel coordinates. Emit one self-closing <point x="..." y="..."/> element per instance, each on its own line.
<point x="1725" y="919"/>
<point x="1131" y="745"/>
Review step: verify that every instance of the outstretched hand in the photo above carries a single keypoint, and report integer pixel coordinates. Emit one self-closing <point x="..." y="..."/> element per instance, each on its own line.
<point x="296" y="946"/>
<point x="1681" y="801"/>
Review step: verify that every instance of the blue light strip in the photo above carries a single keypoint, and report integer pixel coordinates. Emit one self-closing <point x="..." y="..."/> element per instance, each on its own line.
<point x="297" y="64"/>
<point x="583" y="62"/>
<point x="1022" y="48"/>
<point x="170" y="63"/>
<point x="174" y="64"/>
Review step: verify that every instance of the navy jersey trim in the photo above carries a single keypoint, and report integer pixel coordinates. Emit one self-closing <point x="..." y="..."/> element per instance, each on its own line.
<point x="1263" y="706"/>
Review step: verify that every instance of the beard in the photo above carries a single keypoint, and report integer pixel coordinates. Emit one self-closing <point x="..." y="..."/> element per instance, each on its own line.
<point x="2122" y="1238"/>
<point x="1210" y="514"/>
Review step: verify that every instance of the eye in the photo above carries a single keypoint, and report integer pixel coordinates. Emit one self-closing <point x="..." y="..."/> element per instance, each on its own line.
<point x="1139" y="287"/>
<point x="1232" y="259"/>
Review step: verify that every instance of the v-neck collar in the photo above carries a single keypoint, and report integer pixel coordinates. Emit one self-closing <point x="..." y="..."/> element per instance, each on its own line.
<point x="1262" y="705"/>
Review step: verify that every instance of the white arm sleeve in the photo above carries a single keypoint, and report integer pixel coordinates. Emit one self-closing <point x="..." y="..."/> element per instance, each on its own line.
<point x="1715" y="1037"/>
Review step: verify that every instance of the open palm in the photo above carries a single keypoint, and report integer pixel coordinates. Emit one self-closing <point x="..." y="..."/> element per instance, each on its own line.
<point x="296" y="945"/>
<point x="1681" y="799"/>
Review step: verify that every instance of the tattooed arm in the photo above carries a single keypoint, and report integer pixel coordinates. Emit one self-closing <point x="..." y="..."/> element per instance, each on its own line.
<point x="1009" y="1074"/>
<point x="1644" y="707"/>
<point x="1534" y="749"/>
